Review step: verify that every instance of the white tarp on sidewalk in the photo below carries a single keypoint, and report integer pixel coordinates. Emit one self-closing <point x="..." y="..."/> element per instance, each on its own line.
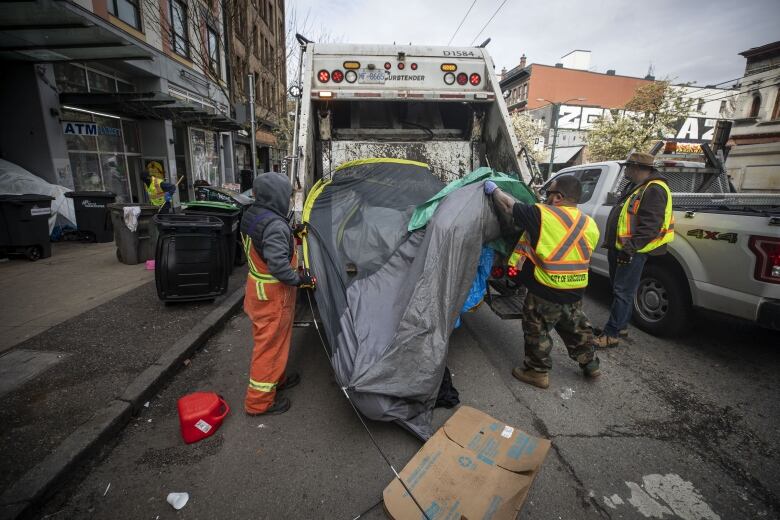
<point x="15" y="180"/>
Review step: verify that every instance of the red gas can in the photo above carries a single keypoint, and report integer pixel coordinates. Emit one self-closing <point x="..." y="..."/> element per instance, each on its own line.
<point x="200" y="415"/>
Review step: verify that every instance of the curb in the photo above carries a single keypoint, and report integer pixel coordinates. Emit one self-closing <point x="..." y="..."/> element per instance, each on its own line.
<point x="40" y="481"/>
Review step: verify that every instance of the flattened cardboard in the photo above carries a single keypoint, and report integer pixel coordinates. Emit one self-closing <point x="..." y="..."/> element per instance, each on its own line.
<point x="474" y="467"/>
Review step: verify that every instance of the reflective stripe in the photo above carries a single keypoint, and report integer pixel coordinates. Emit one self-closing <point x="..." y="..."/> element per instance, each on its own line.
<point x="307" y="207"/>
<point x="260" y="386"/>
<point x="572" y="236"/>
<point x="261" y="278"/>
<point x="562" y="253"/>
<point x="558" y="267"/>
<point x="260" y="290"/>
<point x="376" y="160"/>
<point x="627" y="217"/>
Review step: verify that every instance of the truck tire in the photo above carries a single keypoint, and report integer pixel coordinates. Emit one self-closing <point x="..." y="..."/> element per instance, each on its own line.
<point x="662" y="303"/>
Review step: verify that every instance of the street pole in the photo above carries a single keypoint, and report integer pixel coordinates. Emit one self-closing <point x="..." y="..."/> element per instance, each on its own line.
<point x="555" y="109"/>
<point x="252" y="138"/>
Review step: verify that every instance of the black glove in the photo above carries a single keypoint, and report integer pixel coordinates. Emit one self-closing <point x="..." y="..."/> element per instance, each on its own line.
<point x="624" y="258"/>
<point x="307" y="281"/>
<point x="299" y="230"/>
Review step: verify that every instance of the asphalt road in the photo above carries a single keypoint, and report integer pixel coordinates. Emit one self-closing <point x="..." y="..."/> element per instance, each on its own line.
<point x="683" y="428"/>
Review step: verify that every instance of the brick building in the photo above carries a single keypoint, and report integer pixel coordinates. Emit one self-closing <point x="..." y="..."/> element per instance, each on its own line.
<point x="580" y="96"/>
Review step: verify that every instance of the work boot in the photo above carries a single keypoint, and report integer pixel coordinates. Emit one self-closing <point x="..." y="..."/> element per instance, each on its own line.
<point x="591" y="370"/>
<point x="281" y="405"/>
<point x="603" y="341"/>
<point x="532" y="377"/>
<point x="622" y="334"/>
<point x="290" y="380"/>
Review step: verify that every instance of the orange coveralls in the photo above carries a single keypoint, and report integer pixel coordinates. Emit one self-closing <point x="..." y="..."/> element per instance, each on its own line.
<point x="270" y="305"/>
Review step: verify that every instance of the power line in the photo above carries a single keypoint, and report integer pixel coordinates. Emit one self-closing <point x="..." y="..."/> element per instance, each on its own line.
<point x="461" y="22"/>
<point x="755" y="89"/>
<point x="488" y="22"/>
<point x="714" y="85"/>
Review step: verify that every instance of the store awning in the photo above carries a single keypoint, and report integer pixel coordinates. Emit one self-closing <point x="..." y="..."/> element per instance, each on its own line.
<point x="150" y="105"/>
<point x="52" y="31"/>
<point x="565" y="154"/>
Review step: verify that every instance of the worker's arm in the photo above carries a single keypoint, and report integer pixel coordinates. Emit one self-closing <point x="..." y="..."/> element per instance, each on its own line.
<point x="168" y="187"/>
<point x="276" y="252"/>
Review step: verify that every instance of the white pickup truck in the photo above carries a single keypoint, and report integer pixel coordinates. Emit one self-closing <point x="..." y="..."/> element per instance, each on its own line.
<point x="725" y="256"/>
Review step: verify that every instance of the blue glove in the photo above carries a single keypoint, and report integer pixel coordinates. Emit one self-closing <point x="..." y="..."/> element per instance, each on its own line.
<point x="168" y="196"/>
<point x="490" y="187"/>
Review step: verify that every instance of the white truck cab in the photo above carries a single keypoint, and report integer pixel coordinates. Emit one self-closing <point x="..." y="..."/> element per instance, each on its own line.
<point x="725" y="256"/>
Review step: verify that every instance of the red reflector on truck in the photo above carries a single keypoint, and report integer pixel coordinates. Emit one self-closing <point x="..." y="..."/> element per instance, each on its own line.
<point x="337" y="76"/>
<point x="497" y="272"/>
<point x="323" y="76"/>
<point x="767" y="251"/>
<point x="462" y="78"/>
<point x="475" y="79"/>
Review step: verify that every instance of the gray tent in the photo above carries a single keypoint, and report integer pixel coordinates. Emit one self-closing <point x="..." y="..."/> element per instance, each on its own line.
<point x="388" y="298"/>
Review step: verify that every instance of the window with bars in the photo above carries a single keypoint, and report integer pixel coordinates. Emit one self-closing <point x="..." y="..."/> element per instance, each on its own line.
<point x="126" y="10"/>
<point x="180" y="40"/>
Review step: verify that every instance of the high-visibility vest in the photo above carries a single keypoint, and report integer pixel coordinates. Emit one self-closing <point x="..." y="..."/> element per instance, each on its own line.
<point x="155" y="191"/>
<point x="255" y="273"/>
<point x="561" y="257"/>
<point x="627" y="221"/>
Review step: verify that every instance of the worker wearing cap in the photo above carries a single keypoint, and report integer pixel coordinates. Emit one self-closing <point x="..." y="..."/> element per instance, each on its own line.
<point x="640" y="224"/>
<point x="270" y="292"/>
<point x="554" y="254"/>
<point x="160" y="192"/>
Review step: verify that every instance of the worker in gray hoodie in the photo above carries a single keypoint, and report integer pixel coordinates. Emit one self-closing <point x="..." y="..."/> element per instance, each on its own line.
<point x="270" y="292"/>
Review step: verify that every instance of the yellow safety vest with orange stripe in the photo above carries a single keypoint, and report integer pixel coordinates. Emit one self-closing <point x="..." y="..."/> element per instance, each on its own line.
<point x="260" y="278"/>
<point x="561" y="257"/>
<point x="155" y="191"/>
<point x="627" y="221"/>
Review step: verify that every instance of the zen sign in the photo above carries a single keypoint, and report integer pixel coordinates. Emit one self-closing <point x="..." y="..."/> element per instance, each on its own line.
<point x="81" y="128"/>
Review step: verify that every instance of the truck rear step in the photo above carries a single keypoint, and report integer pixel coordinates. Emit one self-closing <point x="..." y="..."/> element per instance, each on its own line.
<point x="508" y="307"/>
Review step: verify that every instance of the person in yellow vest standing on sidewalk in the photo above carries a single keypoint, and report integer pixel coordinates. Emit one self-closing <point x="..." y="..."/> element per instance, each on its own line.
<point x="640" y="224"/>
<point x="553" y="257"/>
<point x="158" y="191"/>
<point x="270" y="292"/>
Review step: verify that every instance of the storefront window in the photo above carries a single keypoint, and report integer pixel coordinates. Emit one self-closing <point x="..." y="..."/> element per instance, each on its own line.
<point x="115" y="175"/>
<point x="109" y="134"/>
<point x="100" y="83"/>
<point x="205" y="156"/>
<point x="86" y="171"/>
<point x="70" y="78"/>
<point x="77" y="140"/>
<point x="130" y="134"/>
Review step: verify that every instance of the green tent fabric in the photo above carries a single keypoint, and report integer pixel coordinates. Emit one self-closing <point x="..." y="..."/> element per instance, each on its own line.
<point x="517" y="188"/>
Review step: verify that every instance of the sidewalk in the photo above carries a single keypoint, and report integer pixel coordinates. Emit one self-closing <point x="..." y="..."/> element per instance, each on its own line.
<point x="77" y="277"/>
<point x="107" y="328"/>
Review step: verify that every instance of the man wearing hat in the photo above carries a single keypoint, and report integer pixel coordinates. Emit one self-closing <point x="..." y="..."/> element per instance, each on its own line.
<point x="640" y="224"/>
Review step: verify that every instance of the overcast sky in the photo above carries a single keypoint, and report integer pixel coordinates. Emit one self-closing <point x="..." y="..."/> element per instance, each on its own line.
<point x="685" y="40"/>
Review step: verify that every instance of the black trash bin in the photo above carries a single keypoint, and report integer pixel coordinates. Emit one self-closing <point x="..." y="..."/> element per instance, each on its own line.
<point x="231" y="219"/>
<point x="190" y="258"/>
<point x="24" y="225"/>
<point x="93" y="218"/>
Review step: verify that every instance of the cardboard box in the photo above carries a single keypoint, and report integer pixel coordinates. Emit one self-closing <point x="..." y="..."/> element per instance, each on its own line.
<point x="473" y="467"/>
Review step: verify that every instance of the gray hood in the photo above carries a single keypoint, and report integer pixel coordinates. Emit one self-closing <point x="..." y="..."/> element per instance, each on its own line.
<point x="272" y="191"/>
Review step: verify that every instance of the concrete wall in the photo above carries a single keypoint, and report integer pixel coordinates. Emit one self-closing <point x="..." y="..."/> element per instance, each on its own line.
<point x="30" y="135"/>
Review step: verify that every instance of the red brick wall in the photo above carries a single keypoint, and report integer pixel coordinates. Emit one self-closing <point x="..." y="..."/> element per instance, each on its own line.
<point x="559" y="84"/>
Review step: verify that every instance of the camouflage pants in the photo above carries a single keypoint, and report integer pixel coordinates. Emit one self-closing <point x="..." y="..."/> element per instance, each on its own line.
<point x="540" y="317"/>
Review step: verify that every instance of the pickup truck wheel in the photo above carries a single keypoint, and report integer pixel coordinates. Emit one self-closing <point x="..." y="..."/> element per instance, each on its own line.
<point x="662" y="303"/>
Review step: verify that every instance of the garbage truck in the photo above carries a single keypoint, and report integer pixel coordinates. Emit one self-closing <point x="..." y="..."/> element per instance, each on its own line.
<point x="437" y="105"/>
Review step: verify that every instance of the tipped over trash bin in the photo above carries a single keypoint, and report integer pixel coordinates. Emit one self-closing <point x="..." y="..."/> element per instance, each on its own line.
<point x="190" y="259"/>
<point x="230" y="216"/>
